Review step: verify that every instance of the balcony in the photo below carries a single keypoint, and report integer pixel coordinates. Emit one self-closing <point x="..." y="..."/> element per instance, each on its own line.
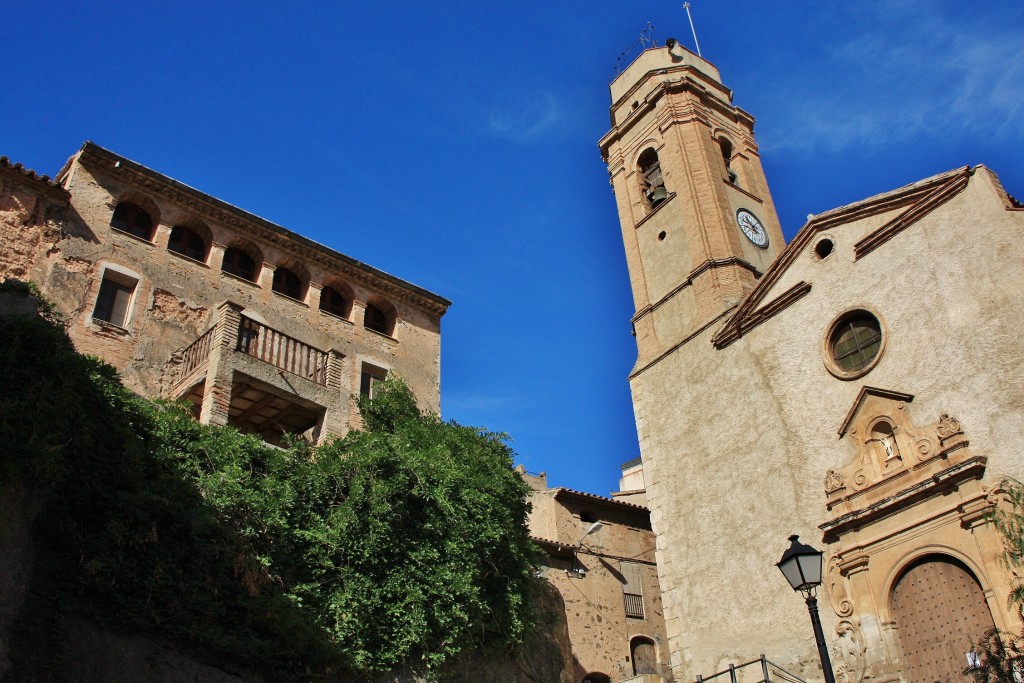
<point x="244" y="373"/>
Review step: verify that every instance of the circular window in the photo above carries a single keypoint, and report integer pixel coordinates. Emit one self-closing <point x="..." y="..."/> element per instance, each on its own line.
<point x="854" y="344"/>
<point x="823" y="248"/>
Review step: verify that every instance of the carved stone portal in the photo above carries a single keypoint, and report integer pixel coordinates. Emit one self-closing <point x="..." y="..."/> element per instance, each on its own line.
<point x="909" y="492"/>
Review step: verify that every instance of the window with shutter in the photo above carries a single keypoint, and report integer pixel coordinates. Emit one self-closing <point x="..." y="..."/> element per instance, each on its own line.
<point x="632" y="590"/>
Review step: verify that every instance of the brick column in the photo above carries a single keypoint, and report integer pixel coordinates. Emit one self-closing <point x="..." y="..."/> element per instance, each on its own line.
<point x="334" y="368"/>
<point x="217" y="391"/>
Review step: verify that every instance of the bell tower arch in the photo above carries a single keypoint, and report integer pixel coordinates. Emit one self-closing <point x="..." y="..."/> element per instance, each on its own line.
<point x="698" y="222"/>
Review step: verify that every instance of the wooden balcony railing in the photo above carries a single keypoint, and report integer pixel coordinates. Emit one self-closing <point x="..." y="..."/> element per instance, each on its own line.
<point x="284" y="352"/>
<point x="196" y="353"/>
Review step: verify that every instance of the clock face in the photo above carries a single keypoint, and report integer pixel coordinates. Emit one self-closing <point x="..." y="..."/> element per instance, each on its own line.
<point x="752" y="228"/>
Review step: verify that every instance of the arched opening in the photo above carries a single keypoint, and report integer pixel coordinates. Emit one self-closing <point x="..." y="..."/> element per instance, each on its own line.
<point x="131" y="218"/>
<point x="651" y="180"/>
<point x="644" y="655"/>
<point x="240" y="263"/>
<point x="726" y="146"/>
<point x="884" y="435"/>
<point x="379" y="317"/>
<point x="191" y="241"/>
<point x="336" y="299"/>
<point x="940" y="610"/>
<point x="289" y="283"/>
<point x="596" y="678"/>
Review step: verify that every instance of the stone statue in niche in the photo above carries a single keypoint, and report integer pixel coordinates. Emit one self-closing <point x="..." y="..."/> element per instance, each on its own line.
<point x="884" y="434"/>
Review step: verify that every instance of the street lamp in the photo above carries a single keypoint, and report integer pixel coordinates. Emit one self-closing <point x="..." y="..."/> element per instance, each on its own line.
<point x="801" y="565"/>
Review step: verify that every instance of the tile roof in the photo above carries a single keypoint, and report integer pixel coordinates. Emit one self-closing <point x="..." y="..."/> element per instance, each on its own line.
<point x="602" y="499"/>
<point x="28" y="173"/>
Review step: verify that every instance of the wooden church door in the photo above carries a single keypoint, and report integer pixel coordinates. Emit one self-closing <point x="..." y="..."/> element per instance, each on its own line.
<point x="940" y="611"/>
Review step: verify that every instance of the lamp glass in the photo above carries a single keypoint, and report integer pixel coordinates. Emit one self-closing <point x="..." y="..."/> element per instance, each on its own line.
<point x="810" y="568"/>
<point x="791" y="570"/>
<point x="801" y="565"/>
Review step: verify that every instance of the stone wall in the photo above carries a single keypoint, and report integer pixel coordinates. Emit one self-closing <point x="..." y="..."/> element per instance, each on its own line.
<point x="60" y="236"/>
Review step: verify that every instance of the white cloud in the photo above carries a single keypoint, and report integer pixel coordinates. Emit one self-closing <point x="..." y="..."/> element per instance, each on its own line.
<point x="917" y="74"/>
<point x="526" y="119"/>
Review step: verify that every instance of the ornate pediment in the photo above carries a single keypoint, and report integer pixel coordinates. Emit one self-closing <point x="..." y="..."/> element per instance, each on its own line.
<point x="896" y="462"/>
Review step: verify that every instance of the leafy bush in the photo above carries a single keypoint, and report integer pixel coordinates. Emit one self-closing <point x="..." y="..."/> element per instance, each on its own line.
<point x="1001" y="655"/>
<point x="405" y="542"/>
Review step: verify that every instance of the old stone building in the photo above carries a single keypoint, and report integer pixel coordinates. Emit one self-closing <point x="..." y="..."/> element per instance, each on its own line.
<point x="192" y="298"/>
<point x="599" y="554"/>
<point x="861" y="386"/>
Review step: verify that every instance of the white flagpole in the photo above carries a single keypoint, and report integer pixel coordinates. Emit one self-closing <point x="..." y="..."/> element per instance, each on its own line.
<point x="686" y="6"/>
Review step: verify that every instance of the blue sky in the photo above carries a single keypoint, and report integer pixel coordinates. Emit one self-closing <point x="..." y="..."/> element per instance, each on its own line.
<point x="453" y="144"/>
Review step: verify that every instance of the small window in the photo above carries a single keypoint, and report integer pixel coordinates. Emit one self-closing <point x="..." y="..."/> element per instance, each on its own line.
<point x="376" y="319"/>
<point x="331" y="301"/>
<point x="113" y="302"/>
<point x="632" y="590"/>
<point x="288" y="283"/>
<point x="371" y="378"/>
<point x="239" y="264"/>
<point x="853" y="345"/>
<point x="824" y="247"/>
<point x="653" y="185"/>
<point x="134" y="220"/>
<point x="187" y="242"/>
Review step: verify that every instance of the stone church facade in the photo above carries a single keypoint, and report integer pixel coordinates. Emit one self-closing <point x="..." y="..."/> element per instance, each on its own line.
<point x="861" y="386"/>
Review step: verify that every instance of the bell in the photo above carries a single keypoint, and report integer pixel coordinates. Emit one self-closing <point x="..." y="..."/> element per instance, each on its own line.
<point x="657" y="195"/>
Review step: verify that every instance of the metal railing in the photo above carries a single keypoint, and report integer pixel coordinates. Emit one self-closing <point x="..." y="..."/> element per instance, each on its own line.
<point x="283" y="352"/>
<point x="767" y="668"/>
<point x="196" y="353"/>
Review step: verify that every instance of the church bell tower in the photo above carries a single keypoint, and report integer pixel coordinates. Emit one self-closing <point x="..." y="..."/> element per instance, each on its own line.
<point x="698" y="222"/>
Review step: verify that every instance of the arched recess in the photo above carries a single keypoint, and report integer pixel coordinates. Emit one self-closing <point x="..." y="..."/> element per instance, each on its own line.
<point x="596" y="677"/>
<point x="652" y="182"/>
<point x="136" y="214"/>
<point x="940" y="610"/>
<point x="380" y="316"/>
<point x="336" y="298"/>
<point x="644" y="654"/>
<point x="191" y="238"/>
<point x="725" y="145"/>
<point x="291" y="279"/>
<point x="243" y="259"/>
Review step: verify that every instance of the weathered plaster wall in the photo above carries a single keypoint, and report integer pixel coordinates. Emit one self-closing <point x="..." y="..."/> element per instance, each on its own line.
<point x="598" y="627"/>
<point x="736" y="441"/>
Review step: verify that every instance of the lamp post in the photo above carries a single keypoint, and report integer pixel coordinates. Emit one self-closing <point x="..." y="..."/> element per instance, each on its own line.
<point x="801" y="565"/>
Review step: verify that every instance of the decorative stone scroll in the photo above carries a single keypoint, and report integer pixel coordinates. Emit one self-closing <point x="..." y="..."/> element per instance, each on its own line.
<point x="848" y="653"/>
<point x="833" y="481"/>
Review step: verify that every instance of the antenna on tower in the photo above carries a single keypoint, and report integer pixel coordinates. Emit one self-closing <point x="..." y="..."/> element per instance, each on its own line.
<point x="644" y="41"/>
<point x="686" y="6"/>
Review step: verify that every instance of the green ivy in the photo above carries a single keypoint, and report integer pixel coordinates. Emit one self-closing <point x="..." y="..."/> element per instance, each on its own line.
<point x="1001" y="654"/>
<point x="405" y="543"/>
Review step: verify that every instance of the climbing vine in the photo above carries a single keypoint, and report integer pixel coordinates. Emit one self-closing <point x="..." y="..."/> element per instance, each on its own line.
<point x="402" y="543"/>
